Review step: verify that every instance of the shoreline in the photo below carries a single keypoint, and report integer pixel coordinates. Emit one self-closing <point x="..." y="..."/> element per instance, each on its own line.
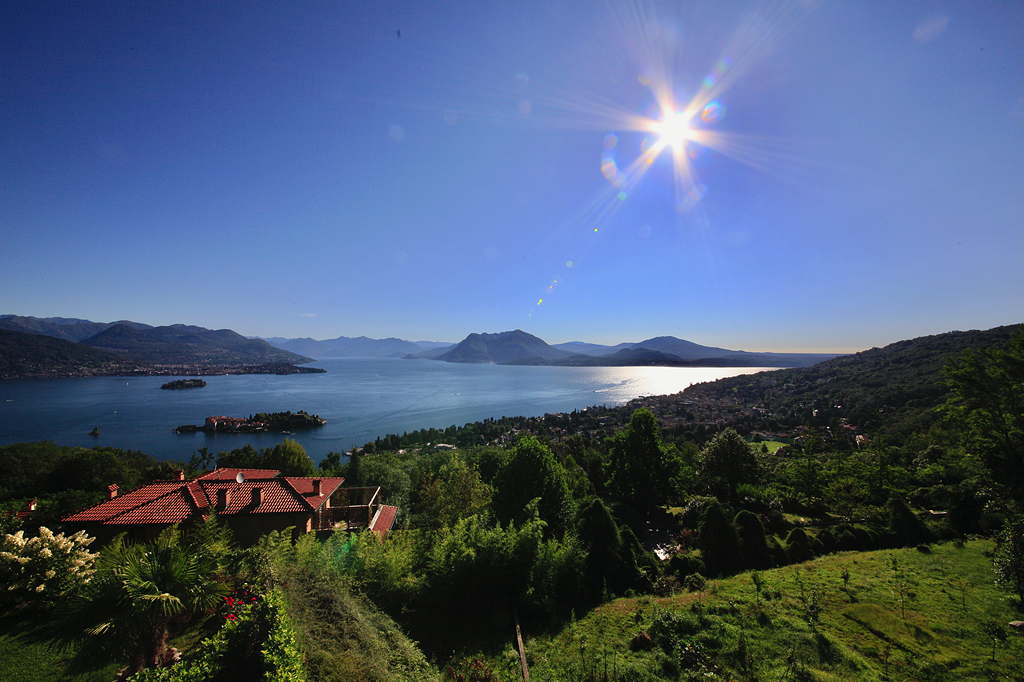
<point x="169" y="371"/>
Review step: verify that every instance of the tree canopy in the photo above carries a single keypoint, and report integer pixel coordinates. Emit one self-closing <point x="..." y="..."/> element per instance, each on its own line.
<point x="532" y="472"/>
<point x="643" y="469"/>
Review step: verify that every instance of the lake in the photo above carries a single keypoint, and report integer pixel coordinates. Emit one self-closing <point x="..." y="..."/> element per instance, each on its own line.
<point x="360" y="398"/>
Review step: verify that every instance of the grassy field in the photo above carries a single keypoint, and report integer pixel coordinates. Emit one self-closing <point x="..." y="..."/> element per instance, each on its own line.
<point x="29" y="653"/>
<point x="924" y="619"/>
<point x="772" y="445"/>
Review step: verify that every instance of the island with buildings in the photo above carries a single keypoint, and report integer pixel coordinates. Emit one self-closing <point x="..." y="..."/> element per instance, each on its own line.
<point x="261" y="422"/>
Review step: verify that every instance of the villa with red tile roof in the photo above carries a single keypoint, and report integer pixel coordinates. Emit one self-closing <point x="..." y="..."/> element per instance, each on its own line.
<point x="251" y="502"/>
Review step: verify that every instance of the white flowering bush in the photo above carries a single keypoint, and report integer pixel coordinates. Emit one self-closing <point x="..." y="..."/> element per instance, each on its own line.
<point x="44" y="568"/>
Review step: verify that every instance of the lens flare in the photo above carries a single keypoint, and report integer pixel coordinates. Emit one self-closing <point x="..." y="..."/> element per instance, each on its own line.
<point x="712" y="112"/>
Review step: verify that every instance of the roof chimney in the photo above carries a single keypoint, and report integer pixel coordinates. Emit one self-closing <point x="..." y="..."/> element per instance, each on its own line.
<point x="257" y="495"/>
<point x="223" y="498"/>
<point x="112" y="491"/>
<point x="317" y="487"/>
<point x="181" y="475"/>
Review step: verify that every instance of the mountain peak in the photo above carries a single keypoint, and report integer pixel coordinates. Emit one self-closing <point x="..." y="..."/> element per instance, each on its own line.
<point x="514" y="347"/>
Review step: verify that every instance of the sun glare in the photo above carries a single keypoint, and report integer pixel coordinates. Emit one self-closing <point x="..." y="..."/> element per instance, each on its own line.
<point x="673" y="130"/>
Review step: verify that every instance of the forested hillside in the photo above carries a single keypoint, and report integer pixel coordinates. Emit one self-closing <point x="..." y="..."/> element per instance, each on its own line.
<point x="877" y="388"/>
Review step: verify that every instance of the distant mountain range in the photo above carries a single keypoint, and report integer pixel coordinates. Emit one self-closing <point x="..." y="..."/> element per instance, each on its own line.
<point x="51" y="347"/>
<point x="27" y="349"/>
<point x="186" y="344"/>
<point x="35" y="355"/>
<point x="355" y="347"/>
<point x="519" y="348"/>
<point x="67" y="328"/>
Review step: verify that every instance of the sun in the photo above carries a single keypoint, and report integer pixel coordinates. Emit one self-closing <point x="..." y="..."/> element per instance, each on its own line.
<point x="673" y="130"/>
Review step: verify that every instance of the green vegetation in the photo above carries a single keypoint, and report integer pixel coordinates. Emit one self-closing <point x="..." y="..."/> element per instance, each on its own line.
<point x="30" y="651"/>
<point x="804" y="622"/>
<point x="66" y="479"/>
<point x="769" y="447"/>
<point x="288" y="457"/>
<point x="256" y="642"/>
<point x="341" y="634"/>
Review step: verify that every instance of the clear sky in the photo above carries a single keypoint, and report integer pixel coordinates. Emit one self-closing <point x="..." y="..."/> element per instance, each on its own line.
<point x="425" y="169"/>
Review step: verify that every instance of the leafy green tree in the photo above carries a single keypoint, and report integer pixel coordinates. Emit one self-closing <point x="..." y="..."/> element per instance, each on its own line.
<point x="245" y="457"/>
<point x="290" y="458"/>
<point x="726" y="462"/>
<point x="389" y="472"/>
<point x="534" y="472"/>
<point x="139" y="590"/>
<point x="331" y="465"/>
<point x="719" y="544"/>
<point x="473" y="563"/>
<point x="644" y="470"/>
<point x="754" y="551"/>
<point x="987" y="400"/>
<point x="456" y="492"/>
<point x="1008" y="559"/>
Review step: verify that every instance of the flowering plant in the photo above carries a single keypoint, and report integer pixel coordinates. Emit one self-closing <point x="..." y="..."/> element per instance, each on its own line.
<point x="44" y="568"/>
<point x="235" y="603"/>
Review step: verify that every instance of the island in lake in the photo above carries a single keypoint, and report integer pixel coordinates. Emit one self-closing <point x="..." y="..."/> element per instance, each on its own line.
<point x="179" y="384"/>
<point x="261" y="422"/>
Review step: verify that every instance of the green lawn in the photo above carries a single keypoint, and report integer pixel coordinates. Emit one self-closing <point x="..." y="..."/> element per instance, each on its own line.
<point x="772" y="445"/>
<point x="862" y="634"/>
<point x="27" y="653"/>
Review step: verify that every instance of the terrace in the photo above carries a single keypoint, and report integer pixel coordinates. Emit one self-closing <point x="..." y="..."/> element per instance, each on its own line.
<point x="350" y="509"/>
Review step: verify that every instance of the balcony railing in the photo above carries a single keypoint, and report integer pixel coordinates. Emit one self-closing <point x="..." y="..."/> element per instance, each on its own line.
<point x="350" y="509"/>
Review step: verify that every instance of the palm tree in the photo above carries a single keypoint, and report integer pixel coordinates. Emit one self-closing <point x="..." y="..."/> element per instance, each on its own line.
<point x="139" y="590"/>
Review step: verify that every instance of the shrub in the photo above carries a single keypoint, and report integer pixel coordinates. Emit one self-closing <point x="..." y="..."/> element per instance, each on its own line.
<point x="256" y="641"/>
<point x="693" y="511"/>
<point x="694" y="582"/>
<point x="683" y="565"/>
<point x="45" y="568"/>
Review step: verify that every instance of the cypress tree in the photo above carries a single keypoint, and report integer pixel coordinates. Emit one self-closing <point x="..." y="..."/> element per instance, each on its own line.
<point x="753" y="544"/>
<point x="904" y="526"/>
<point x="603" y="541"/>
<point x="798" y="546"/>
<point x="719" y="544"/>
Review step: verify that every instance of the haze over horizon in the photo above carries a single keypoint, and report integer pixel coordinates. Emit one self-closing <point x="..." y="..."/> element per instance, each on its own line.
<point x="427" y="172"/>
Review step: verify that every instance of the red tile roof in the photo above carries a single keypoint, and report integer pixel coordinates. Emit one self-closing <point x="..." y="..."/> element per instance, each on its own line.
<point x="167" y="502"/>
<point x="123" y="503"/>
<point x="304" y="486"/>
<point x="384" y="519"/>
<point x="173" y="507"/>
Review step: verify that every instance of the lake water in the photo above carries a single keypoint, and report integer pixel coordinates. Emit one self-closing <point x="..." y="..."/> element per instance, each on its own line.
<point x="360" y="398"/>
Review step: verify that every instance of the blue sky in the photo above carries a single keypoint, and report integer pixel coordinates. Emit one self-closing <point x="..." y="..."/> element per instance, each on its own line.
<point x="300" y="169"/>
